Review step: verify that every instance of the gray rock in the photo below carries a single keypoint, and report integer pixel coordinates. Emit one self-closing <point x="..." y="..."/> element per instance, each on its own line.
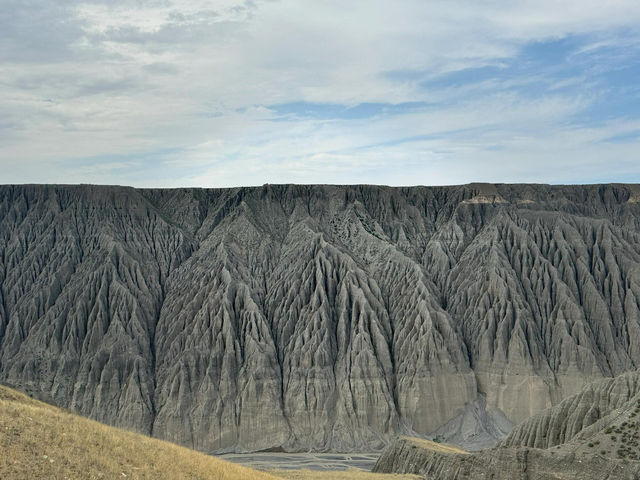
<point x="594" y="434"/>
<point x="407" y="456"/>
<point x="314" y="317"/>
<point x="597" y="406"/>
<point x="476" y="427"/>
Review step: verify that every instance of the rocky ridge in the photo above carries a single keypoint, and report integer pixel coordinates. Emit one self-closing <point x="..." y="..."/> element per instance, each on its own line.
<point x="594" y="434"/>
<point x="598" y="406"/>
<point x="314" y="317"/>
<point x="412" y="456"/>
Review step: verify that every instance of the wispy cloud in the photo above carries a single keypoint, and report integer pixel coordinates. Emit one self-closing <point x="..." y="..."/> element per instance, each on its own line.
<point x="232" y="92"/>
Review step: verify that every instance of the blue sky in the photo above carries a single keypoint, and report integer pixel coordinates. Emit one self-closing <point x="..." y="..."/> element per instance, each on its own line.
<point x="167" y="93"/>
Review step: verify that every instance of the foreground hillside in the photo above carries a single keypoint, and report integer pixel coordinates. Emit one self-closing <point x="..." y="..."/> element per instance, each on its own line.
<point x="592" y="435"/>
<point x="316" y="317"/>
<point x="604" y="408"/>
<point x="41" y="441"/>
<point x="503" y="464"/>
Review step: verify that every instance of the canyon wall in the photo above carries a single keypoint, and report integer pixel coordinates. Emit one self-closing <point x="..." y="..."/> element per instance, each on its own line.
<point x="314" y="317"/>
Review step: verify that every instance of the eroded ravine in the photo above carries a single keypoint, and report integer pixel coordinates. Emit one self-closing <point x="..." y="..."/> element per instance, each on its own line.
<point x="314" y="317"/>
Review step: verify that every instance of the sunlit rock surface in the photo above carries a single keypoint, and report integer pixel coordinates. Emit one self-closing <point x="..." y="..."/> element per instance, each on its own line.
<point x="315" y="317"/>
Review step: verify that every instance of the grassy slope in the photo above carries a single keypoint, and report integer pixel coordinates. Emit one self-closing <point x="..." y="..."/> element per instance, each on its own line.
<point x="41" y="441"/>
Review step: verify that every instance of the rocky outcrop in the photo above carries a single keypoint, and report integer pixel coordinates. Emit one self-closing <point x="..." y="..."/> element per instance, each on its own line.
<point x="595" y="403"/>
<point x="486" y="193"/>
<point x="411" y="456"/>
<point x="635" y="194"/>
<point x="594" y="434"/>
<point x="314" y="317"/>
<point x="476" y="427"/>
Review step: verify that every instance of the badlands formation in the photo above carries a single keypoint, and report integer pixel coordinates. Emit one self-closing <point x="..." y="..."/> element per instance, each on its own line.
<point x="592" y="435"/>
<point x="324" y="317"/>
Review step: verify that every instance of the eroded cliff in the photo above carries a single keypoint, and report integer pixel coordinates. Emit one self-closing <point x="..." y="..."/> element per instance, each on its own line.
<point x="321" y="317"/>
<point x="407" y="455"/>
<point x="594" y="434"/>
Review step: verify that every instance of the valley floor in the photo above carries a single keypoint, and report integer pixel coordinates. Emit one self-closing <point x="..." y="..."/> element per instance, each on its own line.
<point x="308" y="461"/>
<point x="342" y="475"/>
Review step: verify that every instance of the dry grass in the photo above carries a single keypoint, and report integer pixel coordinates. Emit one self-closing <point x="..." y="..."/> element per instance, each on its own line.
<point x="343" y="475"/>
<point x="438" y="447"/>
<point x="41" y="441"/>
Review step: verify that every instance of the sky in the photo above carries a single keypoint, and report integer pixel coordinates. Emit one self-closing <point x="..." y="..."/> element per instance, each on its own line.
<point x="226" y="93"/>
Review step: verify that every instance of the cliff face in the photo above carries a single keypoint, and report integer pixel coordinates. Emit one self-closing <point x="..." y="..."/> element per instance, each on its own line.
<point x="411" y="456"/>
<point x="314" y="316"/>
<point x="596" y="406"/>
<point x="594" y="434"/>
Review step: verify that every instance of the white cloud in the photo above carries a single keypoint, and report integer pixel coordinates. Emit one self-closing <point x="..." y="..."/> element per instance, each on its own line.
<point x="134" y="77"/>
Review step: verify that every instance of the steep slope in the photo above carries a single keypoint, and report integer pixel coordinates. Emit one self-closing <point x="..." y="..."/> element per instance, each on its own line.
<point x="83" y="270"/>
<point x="598" y="406"/>
<point x="315" y="317"/>
<point x="594" y="434"/>
<point x="407" y="455"/>
<point x="476" y="427"/>
<point x="41" y="441"/>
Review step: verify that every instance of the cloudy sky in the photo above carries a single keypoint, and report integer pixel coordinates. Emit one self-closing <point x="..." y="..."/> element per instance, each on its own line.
<point x="227" y="92"/>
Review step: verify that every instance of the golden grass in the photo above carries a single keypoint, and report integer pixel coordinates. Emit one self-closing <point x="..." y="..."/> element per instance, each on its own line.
<point x="343" y="475"/>
<point x="38" y="441"/>
<point x="438" y="447"/>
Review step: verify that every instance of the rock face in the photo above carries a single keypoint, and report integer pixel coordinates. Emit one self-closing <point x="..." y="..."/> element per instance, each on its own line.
<point x="594" y="434"/>
<point x="408" y="456"/>
<point x="476" y="427"/>
<point x="314" y="317"/>
<point x="597" y="404"/>
<point x="603" y="418"/>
